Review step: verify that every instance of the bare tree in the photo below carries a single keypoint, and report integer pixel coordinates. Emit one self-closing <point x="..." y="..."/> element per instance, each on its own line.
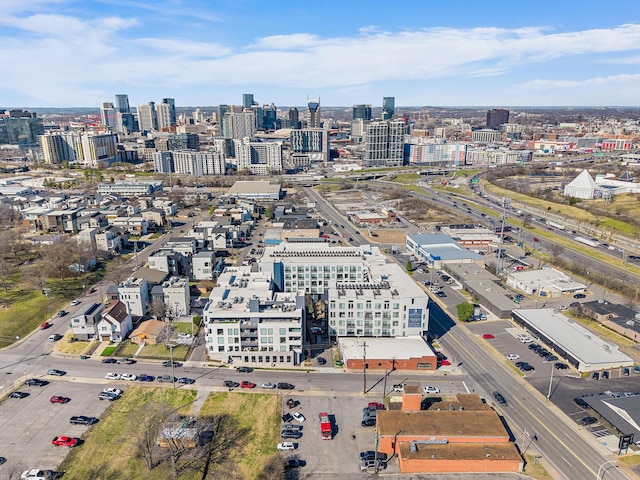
<point x="556" y="251"/>
<point x="145" y="438"/>
<point x="273" y="470"/>
<point x="6" y="273"/>
<point x="159" y="309"/>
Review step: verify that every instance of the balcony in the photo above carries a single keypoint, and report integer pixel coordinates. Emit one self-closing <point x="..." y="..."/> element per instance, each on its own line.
<point x="249" y="344"/>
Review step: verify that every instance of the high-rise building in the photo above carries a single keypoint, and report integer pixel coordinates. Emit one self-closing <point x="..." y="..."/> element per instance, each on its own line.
<point x="388" y="107"/>
<point x="21" y="128"/>
<point x="270" y="117"/>
<point x="294" y="118"/>
<point x="173" y="119"/>
<point x="163" y="115"/>
<point x="99" y="148"/>
<point x="147" y="118"/>
<point x="188" y="162"/>
<point x="247" y="100"/>
<point x="108" y="116"/>
<point x="239" y="125"/>
<point x="163" y="162"/>
<point x="362" y="111"/>
<point x="122" y="103"/>
<point x="220" y="111"/>
<point x="126" y="122"/>
<point x="309" y="145"/>
<point x="59" y="147"/>
<point x="314" y="113"/>
<point x="384" y="143"/>
<point x="258" y="158"/>
<point x="497" y="117"/>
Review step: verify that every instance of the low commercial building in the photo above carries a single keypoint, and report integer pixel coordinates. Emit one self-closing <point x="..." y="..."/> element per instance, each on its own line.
<point x="256" y="190"/>
<point x="471" y="237"/>
<point x="461" y="435"/>
<point x="545" y="282"/>
<point x="437" y="249"/>
<point x="620" y="318"/>
<point x="402" y="353"/>
<point x="578" y="346"/>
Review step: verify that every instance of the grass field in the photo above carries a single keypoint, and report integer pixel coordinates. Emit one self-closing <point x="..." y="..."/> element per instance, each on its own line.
<point x="109" y="450"/>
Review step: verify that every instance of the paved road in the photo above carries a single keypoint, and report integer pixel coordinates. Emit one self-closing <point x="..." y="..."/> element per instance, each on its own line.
<point x="536" y="424"/>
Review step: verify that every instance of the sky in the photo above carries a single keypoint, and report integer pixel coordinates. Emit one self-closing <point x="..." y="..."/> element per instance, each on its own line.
<point x="80" y="53"/>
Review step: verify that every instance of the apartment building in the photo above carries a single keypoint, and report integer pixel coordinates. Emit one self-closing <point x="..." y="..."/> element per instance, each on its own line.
<point x="247" y="322"/>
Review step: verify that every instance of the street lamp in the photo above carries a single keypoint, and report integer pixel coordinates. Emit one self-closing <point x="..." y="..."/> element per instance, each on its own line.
<point x="602" y="466"/>
<point x="46" y="294"/>
<point x="171" y="346"/>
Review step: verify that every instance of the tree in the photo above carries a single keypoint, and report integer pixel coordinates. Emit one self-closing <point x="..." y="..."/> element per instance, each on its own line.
<point x="409" y="266"/>
<point x="465" y="311"/>
<point x="159" y="309"/>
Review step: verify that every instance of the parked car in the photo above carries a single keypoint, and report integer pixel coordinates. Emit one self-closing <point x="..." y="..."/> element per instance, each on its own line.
<point x="108" y="396"/>
<point x="441" y="294"/>
<point x="143" y="377"/>
<point x="128" y="377"/>
<point x="488" y="336"/>
<point x="37" y="474"/>
<point x="294" y="463"/>
<point x="171" y="364"/>
<point x="580" y="402"/>
<point x="560" y="366"/>
<point x="112" y="376"/>
<point x="268" y="385"/>
<point x="398" y="387"/>
<point x="376" y="405"/>
<point x="292" y="426"/>
<point x="367" y="464"/>
<point x="186" y="381"/>
<point x="588" y="421"/>
<point x="36" y="382"/>
<point x="287" y="417"/>
<point x="533" y="346"/>
<point x="55" y="337"/>
<point x="19" y="395"/>
<point x="165" y="378"/>
<point x="499" y="398"/>
<point x="64" y="441"/>
<point x="596" y="376"/>
<point x="286" y="386"/>
<point x="550" y="357"/>
<point x="291" y="434"/>
<point x="244" y="369"/>
<point x="247" y="384"/>
<point x="512" y="356"/>
<point x="429" y="390"/>
<point x="59" y="399"/>
<point x="291" y="403"/>
<point x="298" y="416"/>
<point x="322" y="361"/>
<point x="230" y="384"/>
<point x="109" y="360"/>
<point x="369" y="422"/>
<point x="56" y="373"/>
<point x="287" y="446"/>
<point x="126" y="361"/>
<point x="82" y="420"/>
<point x="579" y="295"/>
<point x="371" y="455"/>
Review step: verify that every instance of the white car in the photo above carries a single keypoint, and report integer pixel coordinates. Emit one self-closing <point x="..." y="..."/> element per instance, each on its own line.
<point x="128" y="376"/>
<point x="298" y="416"/>
<point x="268" y="385"/>
<point x="112" y="376"/>
<point x="524" y="338"/>
<point x="75" y="303"/>
<point x="512" y="356"/>
<point x="37" y="474"/>
<point x="420" y="270"/>
<point x="399" y="387"/>
<point x="562" y="308"/>
<point x="114" y="391"/>
<point x="286" y="446"/>
<point x="429" y="389"/>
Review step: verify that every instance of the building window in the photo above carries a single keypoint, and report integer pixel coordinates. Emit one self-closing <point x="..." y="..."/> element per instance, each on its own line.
<point x="283" y="331"/>
<point x="220" y="331"/>
<point x="424" y="365"/>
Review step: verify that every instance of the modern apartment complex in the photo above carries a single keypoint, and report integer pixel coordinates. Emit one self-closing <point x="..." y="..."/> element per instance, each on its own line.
<point x="258" y="158"/>
<point x="246" y="321"/>
<point x="384" y="143"/>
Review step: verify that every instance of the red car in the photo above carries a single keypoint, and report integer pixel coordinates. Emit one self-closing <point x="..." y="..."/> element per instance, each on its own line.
<point x="45" y="325"/>
<point x="376" y="405"/>
<point x="488" y="336"/>
<point x="91" y="290"/>
<point x="64" y="441"/>
<point x="444" y="363"/>
<point x="59" y="399"/>
<point x="246" y="384"/>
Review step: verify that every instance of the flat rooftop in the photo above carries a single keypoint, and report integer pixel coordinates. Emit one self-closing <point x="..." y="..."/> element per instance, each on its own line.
<point x="460" y="451"/>
<point x="400" y="348"/>
<point x="447" y="423"/>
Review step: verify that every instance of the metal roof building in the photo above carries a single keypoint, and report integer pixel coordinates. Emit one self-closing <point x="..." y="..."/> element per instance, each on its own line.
<point x="583" y="349"/>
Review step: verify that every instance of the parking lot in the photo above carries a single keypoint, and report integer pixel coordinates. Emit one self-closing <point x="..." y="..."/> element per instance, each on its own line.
<point x="29" y="424"/>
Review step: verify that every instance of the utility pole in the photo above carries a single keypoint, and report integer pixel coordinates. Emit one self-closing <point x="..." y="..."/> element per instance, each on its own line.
<point x="503" y="215"/>
<point x="364" y="367"/>
<point x="550" y="383"/>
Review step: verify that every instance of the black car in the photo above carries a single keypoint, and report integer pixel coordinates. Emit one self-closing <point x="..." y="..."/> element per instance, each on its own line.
<point x="588" y="421"/>
<point x="61" y="313"/>
<point x="186" y="381"/>
<point x="36" y="382"/>
<point x="321" y="361"/>
<point x="244" y="369"/>
<point x="579" y="295"/>
<point x="287" y="417"/>
<point x="82" y="420"/>
<point x="171" y="364"/>
<point x="560" y="366"/>
<point x="143" y="377"/>
<point x="441" y="294"/>
<point x="18" y="395"/>
<point x="580" y="402"/>
<point x="291" y="426"/>
<point x="499" y="398"/>
<point x="533" y="346"/>
<point x="230" y="384"/>
<point x="543" y="352"/>
<point x="371" y="455"/>
<point x="109" y="360"/>
<point x="291" y="434"/>
<point x="286" y="386"/>
<point x="294" y="463"/>
<point x="369" y="422"/>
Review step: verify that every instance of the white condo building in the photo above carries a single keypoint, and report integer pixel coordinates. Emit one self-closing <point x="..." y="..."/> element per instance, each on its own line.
<point x="366" y="296"/>
<point x="199" y="163"/>
<point x="258" y="158"/>
<point x="246" y="321"/>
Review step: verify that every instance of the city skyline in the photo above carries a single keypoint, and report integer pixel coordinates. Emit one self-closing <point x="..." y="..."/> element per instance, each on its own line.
<point x="68" y="53"/>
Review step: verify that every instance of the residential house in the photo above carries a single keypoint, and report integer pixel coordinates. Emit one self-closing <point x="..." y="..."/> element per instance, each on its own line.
<point x="148" y="332"/>
<point x="83" y="323"/>
<point x="202" y="265"/>
<point x="168" y="261"/>
<point x="134" y="292"/>
<point x="116" y="323"/>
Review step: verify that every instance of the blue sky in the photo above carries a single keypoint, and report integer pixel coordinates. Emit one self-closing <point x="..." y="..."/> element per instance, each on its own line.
<point x="207" y="52"/>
